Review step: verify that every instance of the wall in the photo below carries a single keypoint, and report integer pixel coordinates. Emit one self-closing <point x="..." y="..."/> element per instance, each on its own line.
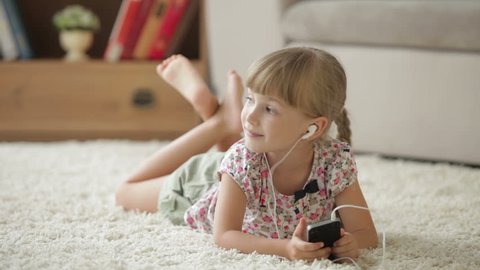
<point x="238" y="33"/>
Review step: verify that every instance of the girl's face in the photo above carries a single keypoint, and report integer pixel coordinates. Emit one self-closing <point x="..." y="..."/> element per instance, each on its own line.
<point x="270" y="124"/>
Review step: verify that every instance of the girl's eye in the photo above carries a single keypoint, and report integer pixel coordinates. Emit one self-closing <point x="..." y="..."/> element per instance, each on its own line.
<point x="270" y="109"/>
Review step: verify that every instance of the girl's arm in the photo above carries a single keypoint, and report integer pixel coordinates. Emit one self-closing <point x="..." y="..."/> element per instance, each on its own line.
<point x="227" y="229"/>
<point x="359" y="228"/>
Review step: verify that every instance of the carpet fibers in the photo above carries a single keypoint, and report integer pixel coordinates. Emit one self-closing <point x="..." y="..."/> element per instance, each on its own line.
<point x="57" y="212"/>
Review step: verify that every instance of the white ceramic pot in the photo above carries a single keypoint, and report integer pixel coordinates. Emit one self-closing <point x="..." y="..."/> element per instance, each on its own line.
<point x="76" y="43"/>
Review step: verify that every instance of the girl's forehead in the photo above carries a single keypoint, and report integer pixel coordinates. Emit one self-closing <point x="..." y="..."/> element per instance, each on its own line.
<point x="272" y="98"/>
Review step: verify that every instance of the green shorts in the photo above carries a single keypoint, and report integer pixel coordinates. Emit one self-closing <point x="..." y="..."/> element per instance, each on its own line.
<point x="187" y="184"/>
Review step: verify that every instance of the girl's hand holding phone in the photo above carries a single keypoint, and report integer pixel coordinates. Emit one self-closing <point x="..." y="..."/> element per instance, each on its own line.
<point x="299" y="249"/>
<point x="346" y="246"/>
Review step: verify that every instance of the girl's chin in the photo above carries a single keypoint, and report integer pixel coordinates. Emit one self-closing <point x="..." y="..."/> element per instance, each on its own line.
<point x="254" y="147"/>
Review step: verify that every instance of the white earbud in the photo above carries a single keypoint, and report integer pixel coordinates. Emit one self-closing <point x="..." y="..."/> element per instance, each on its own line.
<point x="311" y="130"/>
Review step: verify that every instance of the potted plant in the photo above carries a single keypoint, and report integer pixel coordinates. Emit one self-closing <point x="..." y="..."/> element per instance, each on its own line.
<point x="76" y="25"/>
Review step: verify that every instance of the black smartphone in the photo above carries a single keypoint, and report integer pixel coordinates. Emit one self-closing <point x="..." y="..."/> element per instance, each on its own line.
<point x="327" y="231"/>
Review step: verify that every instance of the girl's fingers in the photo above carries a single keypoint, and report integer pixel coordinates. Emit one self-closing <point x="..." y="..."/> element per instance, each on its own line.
<point x="310" y="251"/>
<point x="345" y="240"/>
<point x="345" y="246"/>
<point x="300" y="229"/>
<point x="307" y="246"/>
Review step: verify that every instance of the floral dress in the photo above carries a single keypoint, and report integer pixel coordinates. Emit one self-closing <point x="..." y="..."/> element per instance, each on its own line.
<point x="333" y="169"/>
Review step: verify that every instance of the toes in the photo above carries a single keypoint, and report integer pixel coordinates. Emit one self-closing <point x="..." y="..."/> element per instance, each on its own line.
<point x="233" y="76"/>
<point x="165" y="63"/>
<point x="235" y="81"/>
<point x="232" y="72"/>
<point x="160" y="68"/>
<point x="168" y="60"/>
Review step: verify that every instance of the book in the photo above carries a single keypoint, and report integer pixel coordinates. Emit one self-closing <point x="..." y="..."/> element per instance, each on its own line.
<point x="121" y="29"/>
<point x="18" y="29"/>
<point x="7" y="38"/>
<point x="183" y="28"/>
<point x="147" y="34"/>
<point x="173" y="16"/>
<point x="138" y="23"/>
<point x="116" y="28"/>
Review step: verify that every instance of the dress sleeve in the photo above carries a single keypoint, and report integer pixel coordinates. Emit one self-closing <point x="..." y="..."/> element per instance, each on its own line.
<point x="226" y="165"/>
<point x="233" y="163"/>
<point x="236" y="164"/>
<point x="342" y="169"/>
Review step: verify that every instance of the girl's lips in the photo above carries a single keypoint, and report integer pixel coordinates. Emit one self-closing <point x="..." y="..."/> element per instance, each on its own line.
<point x="252" y="134"/>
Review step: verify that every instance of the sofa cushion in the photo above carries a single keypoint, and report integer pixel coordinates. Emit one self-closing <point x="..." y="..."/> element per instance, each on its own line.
<point x="428" y="24"/>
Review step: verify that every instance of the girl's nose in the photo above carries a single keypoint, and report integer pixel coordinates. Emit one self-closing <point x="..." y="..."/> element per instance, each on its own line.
<point x="252" y="117"/>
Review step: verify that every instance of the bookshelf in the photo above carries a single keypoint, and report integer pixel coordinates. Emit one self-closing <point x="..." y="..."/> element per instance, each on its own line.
<point x="45" y="98"/>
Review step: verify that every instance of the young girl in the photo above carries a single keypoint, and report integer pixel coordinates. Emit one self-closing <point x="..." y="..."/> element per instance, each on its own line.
<point x="285" y="173"/>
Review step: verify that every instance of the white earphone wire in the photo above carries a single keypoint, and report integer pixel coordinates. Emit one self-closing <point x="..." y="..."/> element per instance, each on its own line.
<point x="272" y="187"/>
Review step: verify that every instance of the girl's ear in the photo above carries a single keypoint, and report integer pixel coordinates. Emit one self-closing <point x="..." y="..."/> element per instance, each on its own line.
<point x="322" y="124"/>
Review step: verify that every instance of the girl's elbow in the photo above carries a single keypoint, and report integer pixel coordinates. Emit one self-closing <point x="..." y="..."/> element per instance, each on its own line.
<point x="374" y="244"/>
<point x="219" y="239"/>
<point x="373" y="240"/>
<point x="223" y="239"/>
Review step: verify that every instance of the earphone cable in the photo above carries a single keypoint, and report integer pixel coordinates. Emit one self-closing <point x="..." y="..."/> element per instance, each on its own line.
<point x="273" y="211"/>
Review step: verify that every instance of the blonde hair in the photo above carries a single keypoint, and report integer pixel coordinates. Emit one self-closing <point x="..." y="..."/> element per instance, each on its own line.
<point x="308" y="79"/>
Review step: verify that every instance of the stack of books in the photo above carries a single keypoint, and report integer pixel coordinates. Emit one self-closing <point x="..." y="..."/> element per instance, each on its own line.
<point x="143" y="30"/>
<point x="14" y="43"/>
<point x="150" y="29"/>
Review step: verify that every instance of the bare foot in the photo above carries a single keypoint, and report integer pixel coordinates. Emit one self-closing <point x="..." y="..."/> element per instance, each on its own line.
<point x="230" y="111"/>
<point x="179" y="72"/>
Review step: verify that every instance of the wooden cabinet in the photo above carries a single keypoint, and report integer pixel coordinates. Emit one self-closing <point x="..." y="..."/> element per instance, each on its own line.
<point x="48" y="99"/>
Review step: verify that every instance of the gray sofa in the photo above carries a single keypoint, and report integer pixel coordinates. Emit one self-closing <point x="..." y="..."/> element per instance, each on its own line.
<point x="413" y="70"/>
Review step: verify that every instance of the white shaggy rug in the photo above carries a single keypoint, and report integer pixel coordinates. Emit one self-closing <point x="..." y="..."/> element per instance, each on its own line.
<point x="57" y="212"/>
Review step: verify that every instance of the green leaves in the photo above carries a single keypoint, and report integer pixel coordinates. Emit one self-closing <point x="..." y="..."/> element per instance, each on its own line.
<point x="76" y="17"/>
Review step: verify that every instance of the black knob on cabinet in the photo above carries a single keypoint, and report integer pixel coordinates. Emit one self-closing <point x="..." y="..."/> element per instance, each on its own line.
<point x="143" y="98"/>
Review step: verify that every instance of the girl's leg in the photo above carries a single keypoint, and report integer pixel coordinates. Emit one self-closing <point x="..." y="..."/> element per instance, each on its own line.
<point x="235" y="91"/>
<point x="196" y="141"/>
<point x="142" y="196"/>
<point x="179" y="72"/>
<point x="141" y="189"/>
<point x="224" y="123"/>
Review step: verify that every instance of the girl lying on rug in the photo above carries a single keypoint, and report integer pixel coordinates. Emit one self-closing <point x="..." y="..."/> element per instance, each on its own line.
<point x="285" y="173"/>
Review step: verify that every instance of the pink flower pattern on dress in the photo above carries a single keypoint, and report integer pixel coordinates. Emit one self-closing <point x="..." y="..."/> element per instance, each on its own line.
<point x="333" y="169"/>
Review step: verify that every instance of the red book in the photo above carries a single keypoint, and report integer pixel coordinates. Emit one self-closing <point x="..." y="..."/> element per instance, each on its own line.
<point x="173" y="16"/>
<point x="155" y="18"/>
<point x="137" y="27"/>
<point x="123" y="24"/>
<point x="183" y="28"/>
